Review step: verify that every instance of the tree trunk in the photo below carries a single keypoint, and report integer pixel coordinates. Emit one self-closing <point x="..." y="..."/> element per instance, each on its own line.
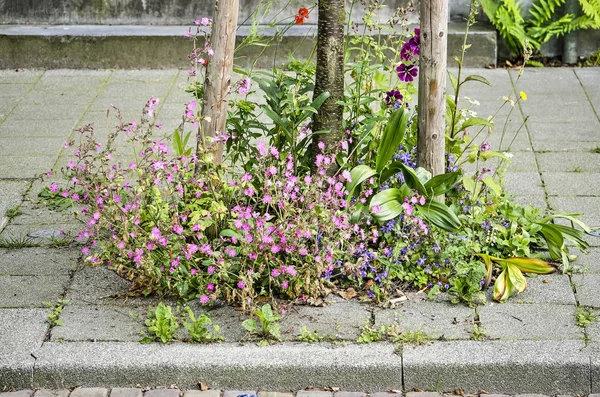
<point x="329" y="74"/>
<point x="432" y="86"/>
<point x="218" y="73"/>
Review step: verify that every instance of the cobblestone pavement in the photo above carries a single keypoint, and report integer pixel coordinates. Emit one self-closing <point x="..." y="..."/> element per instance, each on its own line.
<point x="533" y="343"/>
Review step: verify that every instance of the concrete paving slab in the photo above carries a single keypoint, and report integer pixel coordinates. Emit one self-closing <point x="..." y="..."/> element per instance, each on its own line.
<point x="31" y="291"/>
<point x="99" y="323"/>
<point x="508" y="367"/>
<point x="572" y="184"/>
<point x="230" y="322"/>
<point x="586" y="286"/>
<point x="312" y="393"/>
<point x="344" y="394"/>
<point x="592" y="329"/>
<point x="96" y="286"/>
<point x="13" y="92"/>
<point x="569" y="162"/>
<point x="26" y="129"/>
<point x="11" y="194"/>
<point x="589" y="262"/>
<point x="143" y="76"/>
<point x="71" y="83"/>
<point x="588" y="206"/>
<point x="571" y="106"/>
<point x="535" y="201"/>
<point x="49" y="146"/>
<point x="337" y="321"/>
<point x="25" y="167"/>
<point x="230" y="366"/>
<point x="535" y="80"/>
<point x="524" y="184"/>
<point x="554" y="137"/>
<point x="551" y="288"/>
<point x="25" y="111"/>
<point x="529" y="322"/>
<point x="41" y="234"/>
<point x="438" y="320"/>
<point x="39" y="214"/>
<point x="21" y="76"/>
<point x="38" y="261"/>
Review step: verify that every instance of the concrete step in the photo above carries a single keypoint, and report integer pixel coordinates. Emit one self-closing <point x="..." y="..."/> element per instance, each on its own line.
<point x="159" y="47"/>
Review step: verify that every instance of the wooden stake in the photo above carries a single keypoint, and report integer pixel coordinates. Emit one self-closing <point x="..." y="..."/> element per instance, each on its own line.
<point x="218" y="74"/>
<point x="432" y="86"/>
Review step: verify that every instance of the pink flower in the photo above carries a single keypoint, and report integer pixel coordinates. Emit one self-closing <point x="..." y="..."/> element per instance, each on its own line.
<point x="241" y="284"/>
<point x="274" y="152"/>
<point x="267" y="199"/>
<point x="284" y="284"/>
<point x="346" y="176"/>
<point x="178" y="229"/>
<point x="54" y="187"/>
<point x="376" y="209"/>
<point x="321" y="146"/>
<point x="211" y="270"/>
<point x="204" y="299"/>
<point x="275" y="273"/>
<point x="210" y="286"/>
<point x="262" y="150"/>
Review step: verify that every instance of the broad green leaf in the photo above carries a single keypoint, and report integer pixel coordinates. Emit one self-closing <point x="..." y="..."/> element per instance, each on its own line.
<point x="529" y="265"/>
<point x="440" y="215"/>
<point x="492" y="154"/>
<point x="411" y="178"/>
<point x="228" y="233"/>
<point x="475" y="121"/>
<point x="516" y="277"/>
<point x="423" y="175"/>
<point x="249" y="325"/>
<point x="389" y="202"/>
<point x="440" y="184"/>
<point x="393" y="134"/>
<point x="277" y="120"/>
<point x="475" y="77"/>
<point x="554" y="241"/>
<point x="569" y="217"/>
<point x="274" y="330"/>
<point x="359" y="174"/>
<point x="492" y="184"/>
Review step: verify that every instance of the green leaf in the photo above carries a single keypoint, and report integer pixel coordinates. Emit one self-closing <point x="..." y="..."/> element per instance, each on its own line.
<point x="440" y="215"/>
<point x="440" y="184"/>
<point x="412" y="179"/>
<point x="390" y="203"/>
<point x="274" y="330"/>
<point x="492" y="184"/>
<point x="359" y="174"/>
<point x="475" y="121"/>
<point x="249" y="325"/>
<point x="554" y="240"/>
<point x="392" y="137"/>
<point x="492" y="154"/>
<point x="228" y="233"/>
<point x="453" y="81"/>
<point x="475" y="77"/>
<point x="516" y="278"/>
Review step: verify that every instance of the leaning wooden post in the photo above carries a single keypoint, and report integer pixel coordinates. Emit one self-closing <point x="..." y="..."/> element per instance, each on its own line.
<point x="218" y="73"/>
<point x="432" y="86"/>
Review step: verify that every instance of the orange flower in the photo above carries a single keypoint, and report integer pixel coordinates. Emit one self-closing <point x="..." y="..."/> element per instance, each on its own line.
<point x="302" y="15"/>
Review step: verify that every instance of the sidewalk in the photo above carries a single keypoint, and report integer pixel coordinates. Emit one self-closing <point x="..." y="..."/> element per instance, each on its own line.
<point x="533" y="343"/>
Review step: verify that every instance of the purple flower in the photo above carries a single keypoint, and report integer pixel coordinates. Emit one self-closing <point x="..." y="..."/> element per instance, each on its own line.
<point x="407" y="73"/>
<point x="393" y="96"/>
<point x="485" y="146"/>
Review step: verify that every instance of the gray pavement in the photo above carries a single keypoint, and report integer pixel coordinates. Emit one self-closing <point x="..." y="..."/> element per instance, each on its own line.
<point x="532" y="344"/>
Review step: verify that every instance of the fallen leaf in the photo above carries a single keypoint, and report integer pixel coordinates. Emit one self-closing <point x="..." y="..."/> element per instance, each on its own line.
<point x="348" y="294"/>
<point x="417" y="389"/>
<point x="546" y="281"/>
<point x="459" y="392"/>
<point x="203" y="386"/>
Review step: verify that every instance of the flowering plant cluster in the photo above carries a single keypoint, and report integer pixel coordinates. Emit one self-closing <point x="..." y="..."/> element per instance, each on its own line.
<point x="276" y="222"/>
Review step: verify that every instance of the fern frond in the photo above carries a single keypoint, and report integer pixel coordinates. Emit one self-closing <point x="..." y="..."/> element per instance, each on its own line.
<point x="591" y="9"/>
<point x="543" y="11"/>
